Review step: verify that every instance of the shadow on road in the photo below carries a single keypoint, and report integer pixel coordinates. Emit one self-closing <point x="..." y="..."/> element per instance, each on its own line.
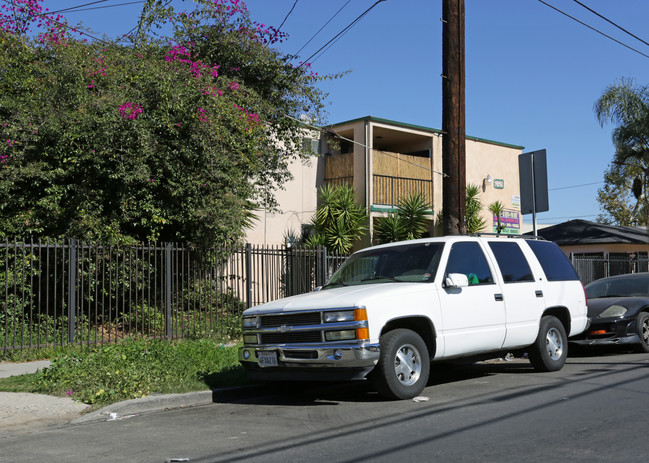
<point x="296" y="393"/>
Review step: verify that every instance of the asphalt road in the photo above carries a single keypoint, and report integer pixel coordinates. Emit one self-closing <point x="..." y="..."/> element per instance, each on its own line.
<point x="594" y="410"/>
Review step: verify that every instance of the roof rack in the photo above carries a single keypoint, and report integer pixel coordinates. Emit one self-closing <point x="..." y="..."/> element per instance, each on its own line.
<point x="510" y="235"/>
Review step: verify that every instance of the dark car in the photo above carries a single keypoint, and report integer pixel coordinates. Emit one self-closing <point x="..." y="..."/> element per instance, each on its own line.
<point x="619" y="310"/>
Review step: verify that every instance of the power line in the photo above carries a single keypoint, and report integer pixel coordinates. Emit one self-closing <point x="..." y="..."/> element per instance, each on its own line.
<point x="611" y="22"/>
<point x="349" y="26"/>
<point x="76" y="9"/>
<point x="65" y="25"/>
<point x="592" y="28"/>
<point x="137" y="26"/>
<point x="574" y="186"/>
<point x="568" y="217"/>
<point x="78" y="6"/>
<point x="320" y="30"/>
<point x="327" y="49"/>
<point x="287" y="15"/>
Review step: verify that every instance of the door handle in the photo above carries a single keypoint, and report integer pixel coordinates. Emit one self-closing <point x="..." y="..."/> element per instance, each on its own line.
<point x="498" y="297"/>
<point x="539" y="293"/>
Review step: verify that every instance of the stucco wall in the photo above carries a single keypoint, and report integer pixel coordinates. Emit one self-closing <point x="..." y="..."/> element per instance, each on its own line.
<point x="605" y="248"/>
<point x="501" y="163"/>
<point x="297" y="202"/>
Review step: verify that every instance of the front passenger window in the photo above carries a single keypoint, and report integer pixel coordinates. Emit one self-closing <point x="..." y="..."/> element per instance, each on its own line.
<point x="468" y="258"/>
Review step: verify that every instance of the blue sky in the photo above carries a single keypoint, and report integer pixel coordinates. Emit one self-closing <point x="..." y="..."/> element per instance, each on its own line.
<point x="532" y="74"/>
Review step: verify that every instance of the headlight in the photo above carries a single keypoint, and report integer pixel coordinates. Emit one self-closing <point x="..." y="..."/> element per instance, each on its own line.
<point x="340" y="335"/>
<point x="250" y="322"/>
<point x="340" y="316"/>
<point x="250" y="339"/>
<point x="613" y="311"/>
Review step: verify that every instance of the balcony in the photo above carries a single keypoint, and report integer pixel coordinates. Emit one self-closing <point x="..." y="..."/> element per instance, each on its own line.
<point x="389" y="190"/>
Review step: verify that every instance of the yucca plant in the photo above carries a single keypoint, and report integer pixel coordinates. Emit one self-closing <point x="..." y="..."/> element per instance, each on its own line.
<point x="408" y="222"/>
<point x="338" y="221"/>
<point x="474" y="221"/>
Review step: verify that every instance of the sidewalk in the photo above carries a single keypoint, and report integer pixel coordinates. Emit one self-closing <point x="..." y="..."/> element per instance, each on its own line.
<point x="23" y="411"/>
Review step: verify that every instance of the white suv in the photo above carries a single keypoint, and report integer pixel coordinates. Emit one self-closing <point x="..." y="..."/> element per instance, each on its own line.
<point x="392" y="309"/>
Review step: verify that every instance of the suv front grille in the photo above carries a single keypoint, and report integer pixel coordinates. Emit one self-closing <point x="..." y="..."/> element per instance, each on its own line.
<point x="291" y="338"/>
<point x="300" y="319"/>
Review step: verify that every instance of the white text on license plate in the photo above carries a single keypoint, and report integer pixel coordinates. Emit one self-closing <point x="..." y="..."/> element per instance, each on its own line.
<point x="267" y="359"/>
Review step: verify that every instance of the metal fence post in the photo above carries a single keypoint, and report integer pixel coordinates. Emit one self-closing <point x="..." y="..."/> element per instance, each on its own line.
<point x="290" y="284"/>
<point x="168" y="291"/>
<point x="72" y="291"/>
<point x="325" y="266"/>
<point x="248" y="275"/>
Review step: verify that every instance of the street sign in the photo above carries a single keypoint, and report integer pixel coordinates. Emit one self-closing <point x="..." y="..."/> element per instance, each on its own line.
<point x="533" y="177"/>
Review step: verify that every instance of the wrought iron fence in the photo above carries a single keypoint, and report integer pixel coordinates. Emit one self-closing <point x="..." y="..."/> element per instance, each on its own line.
<point x="593" y="268"/>
<point x="54" y="293"/>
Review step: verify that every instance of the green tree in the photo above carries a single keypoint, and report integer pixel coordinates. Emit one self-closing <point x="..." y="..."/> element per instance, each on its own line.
<point x="151" y="141"/>
<point x="617" y="201"/>
<point x="338" y="222"/>
<point x="409" y="221"/>
<point x="626" y="105"/>
<point x="474" y="220"/>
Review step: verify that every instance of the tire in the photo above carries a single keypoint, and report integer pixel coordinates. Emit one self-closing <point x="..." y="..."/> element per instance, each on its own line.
<point x="550" y="350"/>
<point x="404" y="365"/>
<point x="642" y="327"/>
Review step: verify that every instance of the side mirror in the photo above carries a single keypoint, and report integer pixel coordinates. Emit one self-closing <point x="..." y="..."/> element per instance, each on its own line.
<point x="456" y="280"/>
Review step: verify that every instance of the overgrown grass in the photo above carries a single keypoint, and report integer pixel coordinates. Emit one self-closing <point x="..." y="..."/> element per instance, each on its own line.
<point x="134" y="368"/>
<point x="29" y="355"/>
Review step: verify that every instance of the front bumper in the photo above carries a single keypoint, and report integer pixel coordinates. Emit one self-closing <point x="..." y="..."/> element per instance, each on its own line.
<point x="608" y="333"/>
<point x="609" y="341"/>
<point x="312" y="361"/>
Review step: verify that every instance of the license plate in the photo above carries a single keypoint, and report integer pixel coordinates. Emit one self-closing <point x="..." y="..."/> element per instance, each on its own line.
<point x="267" y="359"/>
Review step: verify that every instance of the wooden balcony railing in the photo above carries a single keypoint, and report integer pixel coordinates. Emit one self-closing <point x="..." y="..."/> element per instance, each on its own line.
<point x="389" y="190"/>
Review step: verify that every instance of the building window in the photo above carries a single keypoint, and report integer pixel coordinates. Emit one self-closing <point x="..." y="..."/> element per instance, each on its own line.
<point x="311" y="145"/>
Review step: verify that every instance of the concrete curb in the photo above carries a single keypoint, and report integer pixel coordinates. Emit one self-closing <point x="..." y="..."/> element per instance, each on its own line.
<point x="150" y="403"/>
<point x="159" y="402"/>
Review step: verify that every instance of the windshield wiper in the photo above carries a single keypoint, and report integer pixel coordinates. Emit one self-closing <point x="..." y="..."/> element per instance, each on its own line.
<point x="337" y="283"/>
<point x="379" y="277"/>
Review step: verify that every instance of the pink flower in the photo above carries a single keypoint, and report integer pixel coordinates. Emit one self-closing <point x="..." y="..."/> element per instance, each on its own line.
<point x="130" y="110"/>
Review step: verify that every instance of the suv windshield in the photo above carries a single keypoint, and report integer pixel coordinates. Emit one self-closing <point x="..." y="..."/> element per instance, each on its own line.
<point x="411" y="262"/>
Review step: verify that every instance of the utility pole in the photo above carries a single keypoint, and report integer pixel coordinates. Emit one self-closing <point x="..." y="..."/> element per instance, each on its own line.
<point x="453" y="118"/>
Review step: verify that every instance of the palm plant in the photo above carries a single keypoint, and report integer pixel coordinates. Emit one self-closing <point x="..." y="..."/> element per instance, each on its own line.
<point x="408" y="222"/>
<point x="497" y="208"/>
<point x="390" y="229"/>
<point x="627" y="105"/>
<point x="338" y="221"/>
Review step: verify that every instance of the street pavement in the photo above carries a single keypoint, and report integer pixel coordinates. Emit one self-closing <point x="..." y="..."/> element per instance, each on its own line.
<point x="23" y="411"/>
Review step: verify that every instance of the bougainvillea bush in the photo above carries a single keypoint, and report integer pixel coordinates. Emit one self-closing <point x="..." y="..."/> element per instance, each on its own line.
<point x="145" y="137"/>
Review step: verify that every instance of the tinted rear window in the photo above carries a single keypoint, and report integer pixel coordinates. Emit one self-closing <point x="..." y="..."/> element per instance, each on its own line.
<point x="554" y="262"/>
<point x="512" y="262"/>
